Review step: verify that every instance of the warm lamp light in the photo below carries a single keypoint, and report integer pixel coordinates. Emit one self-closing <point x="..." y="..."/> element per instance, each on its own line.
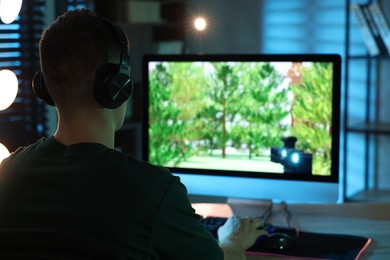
<point x="9" y="10"/>
<point x="4" y="153"/>
<point x="200" y="24"/>
<point x="8" y="88"/>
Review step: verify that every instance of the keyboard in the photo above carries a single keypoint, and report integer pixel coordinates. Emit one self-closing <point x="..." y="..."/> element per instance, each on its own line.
<point x="212" y="224"/>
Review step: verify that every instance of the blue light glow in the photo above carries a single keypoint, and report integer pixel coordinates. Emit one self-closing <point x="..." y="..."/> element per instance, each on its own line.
<point x="295" y="158"/>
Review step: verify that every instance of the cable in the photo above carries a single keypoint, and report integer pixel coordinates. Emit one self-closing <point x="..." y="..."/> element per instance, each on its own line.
<point x="288" y="214"/>
<point x="267" y="213"/>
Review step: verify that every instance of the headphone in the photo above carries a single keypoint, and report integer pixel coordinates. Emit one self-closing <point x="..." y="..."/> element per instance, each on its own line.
<point x="113" y="84"/>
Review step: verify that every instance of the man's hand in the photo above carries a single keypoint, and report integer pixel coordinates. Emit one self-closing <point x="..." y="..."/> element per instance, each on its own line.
<point x="239" y="234"/>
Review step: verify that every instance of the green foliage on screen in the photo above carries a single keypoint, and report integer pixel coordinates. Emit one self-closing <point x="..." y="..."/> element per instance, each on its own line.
<point x="313" y="115"/>
<point x="165" y="129"/>
<point x="262" y="110"/>
<point x="196" y="109"/>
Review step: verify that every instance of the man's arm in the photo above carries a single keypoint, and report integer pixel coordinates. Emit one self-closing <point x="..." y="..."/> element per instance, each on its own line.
<point x="178" y="233"/>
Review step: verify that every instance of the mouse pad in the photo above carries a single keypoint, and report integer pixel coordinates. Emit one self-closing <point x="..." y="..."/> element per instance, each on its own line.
<point x="317" y="246"/>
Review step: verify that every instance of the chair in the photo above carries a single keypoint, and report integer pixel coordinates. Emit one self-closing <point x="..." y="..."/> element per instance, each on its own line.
<point x="34" y="244"/>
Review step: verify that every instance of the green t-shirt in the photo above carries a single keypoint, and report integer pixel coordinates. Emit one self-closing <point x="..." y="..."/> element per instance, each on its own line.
<point x="91" y="189"/>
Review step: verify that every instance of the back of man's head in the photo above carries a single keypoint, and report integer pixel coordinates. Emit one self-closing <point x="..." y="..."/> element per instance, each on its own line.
<point x="72" y="49"/>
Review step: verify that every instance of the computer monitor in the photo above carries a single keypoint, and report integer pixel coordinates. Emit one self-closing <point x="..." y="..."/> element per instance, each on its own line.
<point x="246" y="126"/>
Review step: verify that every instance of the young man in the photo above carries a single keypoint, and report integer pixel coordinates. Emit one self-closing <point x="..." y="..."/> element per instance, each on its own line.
<point x="75" y="181"/>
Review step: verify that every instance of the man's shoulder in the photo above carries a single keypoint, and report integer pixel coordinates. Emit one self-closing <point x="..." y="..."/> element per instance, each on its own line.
<point x="144" y="165"/>
<point x="142" y="169"/>
<point x="149" y="181"/>
<point x="25" y="151"/>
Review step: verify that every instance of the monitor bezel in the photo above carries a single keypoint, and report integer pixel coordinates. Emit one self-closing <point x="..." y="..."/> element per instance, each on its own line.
<point x="334" y="58"/>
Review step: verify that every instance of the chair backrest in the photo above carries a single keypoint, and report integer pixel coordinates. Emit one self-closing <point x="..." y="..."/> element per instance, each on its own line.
<point x="34" y="244"/>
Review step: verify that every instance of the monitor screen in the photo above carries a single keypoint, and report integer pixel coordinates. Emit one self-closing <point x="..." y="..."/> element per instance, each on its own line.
<point x="238" y="119"/>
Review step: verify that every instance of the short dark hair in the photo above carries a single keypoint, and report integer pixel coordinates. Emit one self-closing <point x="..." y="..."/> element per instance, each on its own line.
<point x="72" y="49"/>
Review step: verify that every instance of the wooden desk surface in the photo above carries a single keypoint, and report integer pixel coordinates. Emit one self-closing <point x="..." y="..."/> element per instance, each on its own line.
<point x="368" y="219"/>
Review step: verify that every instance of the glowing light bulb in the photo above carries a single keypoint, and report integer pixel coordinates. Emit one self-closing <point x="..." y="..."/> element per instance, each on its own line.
<point x="4" y="153"/>
<point x="9" y="10"/>
<point x="8" y="88"/>
<point x="200" y="24"/>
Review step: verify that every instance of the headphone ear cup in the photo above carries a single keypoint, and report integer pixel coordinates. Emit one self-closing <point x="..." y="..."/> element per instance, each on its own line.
<point x="120" y="88"/>
<point x="111" y="88"/>
<point x="40" y="90"/>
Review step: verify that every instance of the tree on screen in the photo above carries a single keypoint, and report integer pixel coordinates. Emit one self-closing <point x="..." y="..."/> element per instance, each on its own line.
<point x="313" y="115"/>
<point x="262" y="111"/>
<point x="165" y="126"/>
<point x="222" y="95"/>
<point x="209" y="128"/>
<point x="187" y="85"/>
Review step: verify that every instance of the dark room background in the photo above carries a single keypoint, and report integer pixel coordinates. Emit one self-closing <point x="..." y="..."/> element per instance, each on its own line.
<point x="245" y="26"/>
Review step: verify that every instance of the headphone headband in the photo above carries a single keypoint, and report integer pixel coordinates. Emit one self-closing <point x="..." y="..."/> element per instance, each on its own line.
<point x="124" y="64"/>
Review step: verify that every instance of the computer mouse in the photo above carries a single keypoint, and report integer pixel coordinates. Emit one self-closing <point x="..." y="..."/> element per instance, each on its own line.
<point x="278" y="241"/>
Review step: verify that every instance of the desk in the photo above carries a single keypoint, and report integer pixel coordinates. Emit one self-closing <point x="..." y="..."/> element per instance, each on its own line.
<point x="362" y="219"/>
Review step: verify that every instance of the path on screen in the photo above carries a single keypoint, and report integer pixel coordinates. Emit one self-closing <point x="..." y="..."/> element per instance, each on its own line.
<point x="233" y="161"/>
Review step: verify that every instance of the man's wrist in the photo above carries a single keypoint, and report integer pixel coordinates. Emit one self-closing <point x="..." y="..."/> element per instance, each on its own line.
<point x="232" y="251"/>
